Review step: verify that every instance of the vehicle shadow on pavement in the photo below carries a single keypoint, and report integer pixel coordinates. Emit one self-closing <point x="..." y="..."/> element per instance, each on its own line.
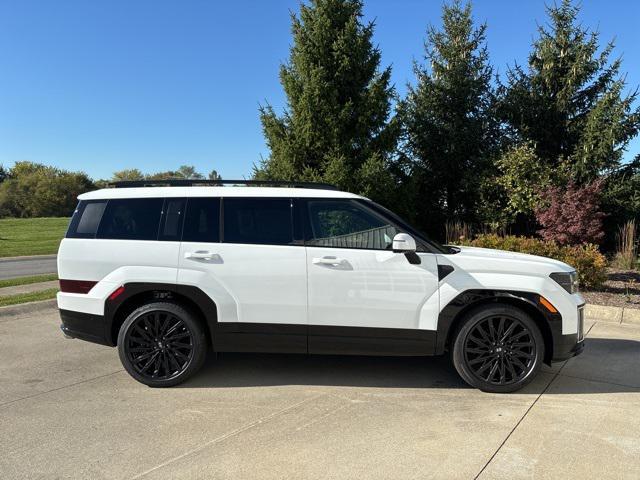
<point x="253" y="369"/>
<point x="608" y="365"/>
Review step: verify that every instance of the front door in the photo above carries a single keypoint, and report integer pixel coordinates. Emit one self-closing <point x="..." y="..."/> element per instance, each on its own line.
<point x="363" y="297"/>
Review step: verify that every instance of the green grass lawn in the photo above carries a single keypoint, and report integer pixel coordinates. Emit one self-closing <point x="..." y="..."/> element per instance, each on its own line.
<point x="28" y="297"/>
<point x="14" y="282"/>
<point x="31" y="236"/>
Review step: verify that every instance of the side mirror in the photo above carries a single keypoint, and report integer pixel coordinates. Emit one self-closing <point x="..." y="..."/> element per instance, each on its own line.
<point x="403" y="243"/>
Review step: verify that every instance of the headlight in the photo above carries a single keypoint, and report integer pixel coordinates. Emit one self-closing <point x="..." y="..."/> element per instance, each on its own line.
<point x="567" y="280"/>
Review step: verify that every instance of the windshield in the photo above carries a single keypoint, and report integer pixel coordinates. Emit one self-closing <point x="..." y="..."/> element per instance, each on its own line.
<point x="430" y="245"/>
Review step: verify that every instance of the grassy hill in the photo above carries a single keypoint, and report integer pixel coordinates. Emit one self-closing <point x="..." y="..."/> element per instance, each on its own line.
<point x="31" y="236"/>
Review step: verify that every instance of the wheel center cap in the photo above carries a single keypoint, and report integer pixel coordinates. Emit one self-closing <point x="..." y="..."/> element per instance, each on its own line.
<point x="499" y="349"/>
<point x="160" y="345"/>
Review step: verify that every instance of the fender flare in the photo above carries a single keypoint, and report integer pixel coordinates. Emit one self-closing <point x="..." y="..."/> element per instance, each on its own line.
<point x="455" y="310"/>
<point x="204" y="304"/>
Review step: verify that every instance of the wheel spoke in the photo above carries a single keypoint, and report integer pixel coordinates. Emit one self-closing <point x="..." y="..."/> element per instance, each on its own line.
<point x="479" y="359"/>
<point x="494" y="369"/>
<point x="506" y="334"/>
<point x="512" y="370"/>
<point x="148" y="364"/>
<point x="492" y="330"/>
<point x="178" y="336"/>
<point x="500" y="328"/>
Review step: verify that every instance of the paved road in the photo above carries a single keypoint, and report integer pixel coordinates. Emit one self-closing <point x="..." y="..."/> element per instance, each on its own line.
<point x="21" y="267"/>
<point x="67" y="410"/>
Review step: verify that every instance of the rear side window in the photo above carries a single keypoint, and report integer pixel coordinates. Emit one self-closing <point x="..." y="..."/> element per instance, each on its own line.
<point x="86" y="218"/>
<point x="258" y="221"/>
<point x="202" y="221"/>
<point x="131" y="219"/>
<point x="172" y="217"/>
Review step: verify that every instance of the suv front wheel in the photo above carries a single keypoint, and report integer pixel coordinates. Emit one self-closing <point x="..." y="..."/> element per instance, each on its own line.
<point x="161" y="344"/>
<point x="498" y="348"/>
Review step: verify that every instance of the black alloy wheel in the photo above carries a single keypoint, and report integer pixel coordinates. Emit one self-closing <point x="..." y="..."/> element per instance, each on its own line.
<point x="499" y="348"/>
<point x="161" y="344"/>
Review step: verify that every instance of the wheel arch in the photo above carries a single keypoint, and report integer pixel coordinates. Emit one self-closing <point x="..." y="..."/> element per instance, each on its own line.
<point x="455" y="312"/>
<point x="136" y="294"/>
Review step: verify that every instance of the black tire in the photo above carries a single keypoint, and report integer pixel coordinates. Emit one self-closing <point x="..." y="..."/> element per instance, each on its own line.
<point x="162" y="344"/>
<point x="498" y="348"/>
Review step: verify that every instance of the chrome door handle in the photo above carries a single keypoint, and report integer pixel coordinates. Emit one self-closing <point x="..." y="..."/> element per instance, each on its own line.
<point x="328" y="261"/>
<point x="200" y="255"/>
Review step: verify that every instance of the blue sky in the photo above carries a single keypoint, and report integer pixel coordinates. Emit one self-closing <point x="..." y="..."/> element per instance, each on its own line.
<point x="105" y="85"/>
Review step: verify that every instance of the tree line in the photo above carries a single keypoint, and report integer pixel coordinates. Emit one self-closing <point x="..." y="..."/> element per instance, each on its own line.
<point x="462" y="145"/>
<point x="534" y="150"/>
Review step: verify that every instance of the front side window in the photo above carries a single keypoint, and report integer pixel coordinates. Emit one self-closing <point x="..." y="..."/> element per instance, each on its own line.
<point x="264" y="221"/>
<point x="347" y="224"/>
<point x="131" y="219"/>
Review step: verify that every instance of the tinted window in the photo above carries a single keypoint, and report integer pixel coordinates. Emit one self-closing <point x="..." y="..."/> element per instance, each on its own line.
<point x="202" y="221"/>
<point x="258" y="220"/>
<point x="86" y="219"/>
<point x="347" y="224"/>
<point x="131" y="219"/>
<point x="172" y="216"/>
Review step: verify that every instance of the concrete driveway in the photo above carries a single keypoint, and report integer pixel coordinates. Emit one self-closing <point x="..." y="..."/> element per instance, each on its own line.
<point x="67" y="410"/>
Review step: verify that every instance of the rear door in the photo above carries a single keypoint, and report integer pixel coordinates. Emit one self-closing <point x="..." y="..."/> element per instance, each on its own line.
<point x="363" y="297"/>
<point x="243" y="254"/>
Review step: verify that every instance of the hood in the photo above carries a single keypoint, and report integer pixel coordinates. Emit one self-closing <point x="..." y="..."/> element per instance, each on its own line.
<point x="489" y="260"/>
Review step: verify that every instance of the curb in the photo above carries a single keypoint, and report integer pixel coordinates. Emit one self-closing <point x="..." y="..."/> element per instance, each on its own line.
<point x="27" y="308"/>
<point x="28" y="257"/>
<point x="619" y="315"/>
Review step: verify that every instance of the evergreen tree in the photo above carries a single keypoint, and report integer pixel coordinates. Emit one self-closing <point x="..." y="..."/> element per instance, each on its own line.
<point x="570" y="102"/>
<point x="450" y="133"/>
<point x="336" y="126"/>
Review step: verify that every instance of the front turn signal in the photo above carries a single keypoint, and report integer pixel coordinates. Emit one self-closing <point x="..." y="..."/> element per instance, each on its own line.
<point x="547" y="304"/>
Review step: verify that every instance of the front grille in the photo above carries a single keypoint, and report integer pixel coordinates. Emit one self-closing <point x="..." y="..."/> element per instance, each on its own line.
<point x="580" y="324"/>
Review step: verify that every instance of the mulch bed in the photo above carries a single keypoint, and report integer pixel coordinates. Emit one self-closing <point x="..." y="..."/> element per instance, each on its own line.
<point x="622" y="289"/>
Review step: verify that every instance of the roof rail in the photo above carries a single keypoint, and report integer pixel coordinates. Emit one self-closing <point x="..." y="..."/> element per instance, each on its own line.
<point x="203" y="182"/>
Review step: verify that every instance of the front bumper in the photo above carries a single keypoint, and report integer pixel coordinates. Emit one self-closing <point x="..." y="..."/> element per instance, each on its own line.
<point x="567" y="346"/>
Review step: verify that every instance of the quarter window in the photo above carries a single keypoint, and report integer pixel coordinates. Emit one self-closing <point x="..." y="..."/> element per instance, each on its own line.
<point x="347" y="224"/>
<point x="86" y="219"/>
<point x="131" y="219"/>
<point x="258" y="221"/>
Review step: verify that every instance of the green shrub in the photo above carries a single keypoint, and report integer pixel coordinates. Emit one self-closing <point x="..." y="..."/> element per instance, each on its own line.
<point x="586" y="259"/>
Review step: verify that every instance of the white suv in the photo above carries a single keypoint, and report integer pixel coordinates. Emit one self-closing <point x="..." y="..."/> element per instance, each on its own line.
<point x="167" y="273"/>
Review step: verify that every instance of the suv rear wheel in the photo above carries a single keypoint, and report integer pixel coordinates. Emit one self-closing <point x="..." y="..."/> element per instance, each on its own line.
<point x="498" y="348"/>
<point x="161" y="344"/>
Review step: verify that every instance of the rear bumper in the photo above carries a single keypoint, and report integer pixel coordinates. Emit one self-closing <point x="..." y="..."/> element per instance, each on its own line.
<point x="84" y="326"/>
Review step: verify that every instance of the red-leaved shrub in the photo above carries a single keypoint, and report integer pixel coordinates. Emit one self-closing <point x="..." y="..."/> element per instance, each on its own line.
<point x="571" y="216"/>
